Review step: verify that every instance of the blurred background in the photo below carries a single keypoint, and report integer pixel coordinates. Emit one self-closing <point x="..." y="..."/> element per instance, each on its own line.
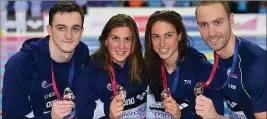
<point x="21" y="20"/>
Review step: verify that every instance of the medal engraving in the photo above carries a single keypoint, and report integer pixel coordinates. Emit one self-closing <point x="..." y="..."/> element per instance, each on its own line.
<point x="198" y="90"/>
<point x="68" y="95"/>
<point x="121" y="91"/>
<point x="165" y="93"/>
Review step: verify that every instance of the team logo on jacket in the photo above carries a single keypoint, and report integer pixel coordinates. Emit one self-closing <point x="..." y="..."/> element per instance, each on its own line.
<point x="181" y="103"/>
<point x="233" y="75"/>
<point x="46" y="85"/>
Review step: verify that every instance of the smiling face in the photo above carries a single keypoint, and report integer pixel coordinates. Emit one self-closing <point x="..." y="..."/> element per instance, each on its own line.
<point x="165" y="40"/>
<point x="214" y="26"/>
<point x="119" y="44"/>
<point x="66" y="31"/>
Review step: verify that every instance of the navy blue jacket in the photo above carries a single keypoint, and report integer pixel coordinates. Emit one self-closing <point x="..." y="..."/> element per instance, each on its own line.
<point x="94" y="83"/>
<point x="27" y="87"/>
<point x="245" y="93"/>
<point x="194" y="68"/>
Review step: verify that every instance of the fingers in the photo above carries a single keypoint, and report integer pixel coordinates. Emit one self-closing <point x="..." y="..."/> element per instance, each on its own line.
<point x="61" y="109"/>
<point x="117" y="101"/>
<point x="204" y="107"/>
<point x="116" y="107"/>
<point x="171" y="106"/>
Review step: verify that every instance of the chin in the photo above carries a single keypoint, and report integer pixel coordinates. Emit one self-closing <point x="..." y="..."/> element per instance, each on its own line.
<point x="67" y="50"/>
<point x="164" y="56"/>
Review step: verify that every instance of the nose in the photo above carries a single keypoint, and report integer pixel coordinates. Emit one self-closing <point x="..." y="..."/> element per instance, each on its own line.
<point x="212" y="31"/>
<point x="162" y="42"/>
<point x="121" y="44"/>
<point x="68" y="34"/>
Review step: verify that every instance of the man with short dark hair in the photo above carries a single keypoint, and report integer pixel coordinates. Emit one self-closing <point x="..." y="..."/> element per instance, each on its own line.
<point x="242" y="62"/>
<point x="36" y="77"/>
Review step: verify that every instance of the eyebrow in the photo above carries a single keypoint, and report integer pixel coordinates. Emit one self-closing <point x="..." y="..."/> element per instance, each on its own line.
<point x="76" y="25"/>
<point x="218" y="19"/>
<point x="164" y="34"/>
<point x="118" y="36"/>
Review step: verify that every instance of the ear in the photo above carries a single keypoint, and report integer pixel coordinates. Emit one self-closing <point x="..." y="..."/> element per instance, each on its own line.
<point x="106" y="42"/>
<point x="180" y="36"/>
<point x="49" y="29"/>
<point x="82" y="31"/>
<point x="231" y="19"/>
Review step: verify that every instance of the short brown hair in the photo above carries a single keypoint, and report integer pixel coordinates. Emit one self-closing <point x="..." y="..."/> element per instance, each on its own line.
<point x="223" y="3"/>
<point x="64" y="6"/>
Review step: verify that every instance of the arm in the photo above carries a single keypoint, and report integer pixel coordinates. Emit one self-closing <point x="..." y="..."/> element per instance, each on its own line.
<point x="86" y="93"/>
<point x="15" y="101"/>
<point x="257" y="88"/>
<point x="202" y="70"/>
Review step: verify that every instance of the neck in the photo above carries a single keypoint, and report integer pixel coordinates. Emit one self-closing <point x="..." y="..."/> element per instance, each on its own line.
<point x="119" y="63"/>
<point x="57" y="55"/>
<point x="171" y="62"/>
<point x="228" y="50"/>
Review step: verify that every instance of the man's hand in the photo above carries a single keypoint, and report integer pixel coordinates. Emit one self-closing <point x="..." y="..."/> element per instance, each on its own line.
<point x="60" y="109"/>
<point x="205" y="108"/>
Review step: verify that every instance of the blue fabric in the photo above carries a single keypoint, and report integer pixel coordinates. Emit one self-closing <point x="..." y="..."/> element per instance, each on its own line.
<point x="27" y="83"/>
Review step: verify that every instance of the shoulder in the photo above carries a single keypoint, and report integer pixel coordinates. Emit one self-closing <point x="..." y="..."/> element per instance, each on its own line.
<point x="21" y="59"/>
<point x="83" y="47"/>
<point x="196" y="58"/>
<point x="194" y="54"/>
<point x="94" y="69"/>
<point x="250" y="51"/>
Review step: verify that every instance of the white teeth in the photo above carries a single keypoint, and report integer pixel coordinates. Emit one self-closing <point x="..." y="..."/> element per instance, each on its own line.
<point x="163" y="50"/>
<point x="120" y="52"/>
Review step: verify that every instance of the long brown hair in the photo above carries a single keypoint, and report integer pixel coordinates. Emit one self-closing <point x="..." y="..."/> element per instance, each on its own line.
<point x="136" y="63"/>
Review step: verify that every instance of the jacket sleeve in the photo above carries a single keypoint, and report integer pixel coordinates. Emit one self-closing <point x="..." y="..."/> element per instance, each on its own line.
<point x="15" y="99"/>
<point x="202" y="70"/>
<point x="256" y="86"/>
<point x="86" y="93"/>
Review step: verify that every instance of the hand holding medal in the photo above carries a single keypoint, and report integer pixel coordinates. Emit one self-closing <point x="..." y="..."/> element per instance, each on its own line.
<point x="170" y="105"/>
<point x="119" y="96"/>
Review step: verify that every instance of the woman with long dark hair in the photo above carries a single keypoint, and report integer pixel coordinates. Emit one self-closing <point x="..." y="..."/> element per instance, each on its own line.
<point x="175" y="67"/>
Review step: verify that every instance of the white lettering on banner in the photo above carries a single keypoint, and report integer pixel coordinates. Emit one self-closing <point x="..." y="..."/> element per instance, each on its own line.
<point x="135" y="113"/>
<point x="129" y="101"/>
<point x="161" y="115"/>
<point x="157" y="105"/>
<point x="154" y="113"/>
<point x="237" y="115"/>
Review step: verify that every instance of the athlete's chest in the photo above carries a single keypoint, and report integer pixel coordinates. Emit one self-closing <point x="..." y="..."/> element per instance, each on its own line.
<point x="236" y="95"/>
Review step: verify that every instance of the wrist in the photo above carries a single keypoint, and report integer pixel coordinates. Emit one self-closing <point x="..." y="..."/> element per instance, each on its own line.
<point x="178" y="116"/>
